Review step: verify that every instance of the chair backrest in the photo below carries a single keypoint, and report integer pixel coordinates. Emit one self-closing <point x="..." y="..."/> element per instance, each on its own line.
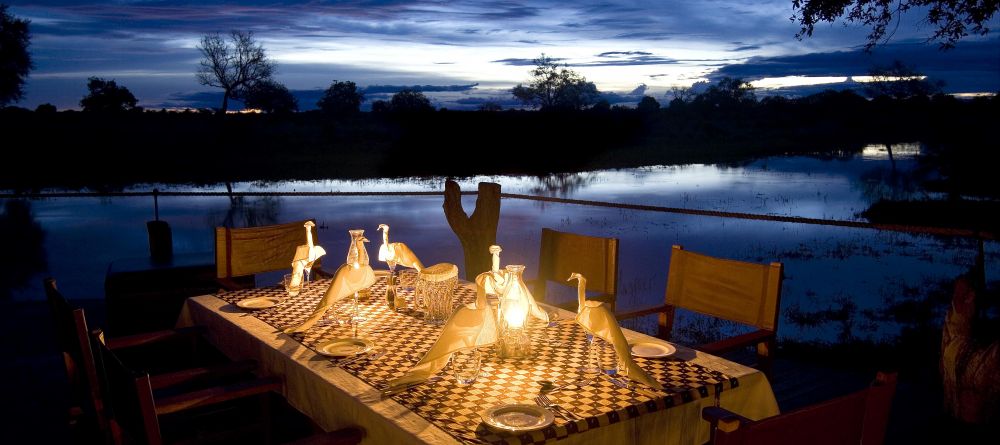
<point x="251" y="250"/>
<point x="78" y="356"/>
<point x="744" y="292"/>
<point x="857" y="418"/>
<point x="563" y="253"/>
<point x="128" y="396"/>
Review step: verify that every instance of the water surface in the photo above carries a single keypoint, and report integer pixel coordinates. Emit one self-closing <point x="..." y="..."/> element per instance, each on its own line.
<point x="864" y="272"/>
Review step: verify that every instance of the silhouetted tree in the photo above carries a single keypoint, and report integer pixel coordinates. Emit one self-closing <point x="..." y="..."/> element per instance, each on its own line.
<point x="107" y="97"/>
<point x="408" y="100"/>
<point x="45" y="108"/>
<point x="553" y="87"/>
<point x="648" y="104"/>
<point x="602" y="106"/>
<point x="952" y="19"/>
<point x="235" y="66"/>
<point x="728" y="92"/>
<point x="380" y="106"/>
<point x="900" y="81"/>
<point x="15" y="61"/>
<point x="490" y="106"/>
<point x="341" y="98"/>
<point x="270" y="97"/>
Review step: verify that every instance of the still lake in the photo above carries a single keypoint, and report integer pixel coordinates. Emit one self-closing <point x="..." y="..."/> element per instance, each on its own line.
<point x="859" y="272"/>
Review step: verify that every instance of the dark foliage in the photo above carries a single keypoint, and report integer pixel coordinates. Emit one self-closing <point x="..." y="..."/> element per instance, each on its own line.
<point x="106" y="96"/>
<point x="556" y="89"/>
<point x="15" y="61"/>
<point x="197" y="148"/>
<point x="648" y="104"/>
<point x="410" y="101"/>
<point x="341" y="98"/>
<point x="952" y="20"/>
<point x="270" y="97"/>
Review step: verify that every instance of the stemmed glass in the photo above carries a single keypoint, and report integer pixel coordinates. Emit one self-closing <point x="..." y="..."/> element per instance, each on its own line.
<point x="594" y="349"/>
<point x="356" y="257"/>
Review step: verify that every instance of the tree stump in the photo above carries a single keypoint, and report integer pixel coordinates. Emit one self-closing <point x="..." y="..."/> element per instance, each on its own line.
<point x="478" y="232"/>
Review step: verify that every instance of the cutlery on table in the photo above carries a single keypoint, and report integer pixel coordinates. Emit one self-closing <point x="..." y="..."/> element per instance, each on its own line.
<point x="622" y="383"/>
<point x="361" y="357"/>
<point x="544" y="401"/>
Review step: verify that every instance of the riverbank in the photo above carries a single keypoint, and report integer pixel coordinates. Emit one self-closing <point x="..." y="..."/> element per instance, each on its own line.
<point x="108" y="152"/>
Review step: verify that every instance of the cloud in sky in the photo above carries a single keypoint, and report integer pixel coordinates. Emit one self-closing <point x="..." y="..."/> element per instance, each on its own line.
<point x="150" y="45"/>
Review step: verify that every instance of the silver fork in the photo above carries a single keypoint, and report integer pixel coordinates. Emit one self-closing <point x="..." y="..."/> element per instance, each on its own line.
<point x="362" y="357"/>
<point x="543" y="400"/>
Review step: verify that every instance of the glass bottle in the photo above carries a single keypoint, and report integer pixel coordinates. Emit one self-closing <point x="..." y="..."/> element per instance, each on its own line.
<point x="357" y="256"/>
<point x="513" y="339"/>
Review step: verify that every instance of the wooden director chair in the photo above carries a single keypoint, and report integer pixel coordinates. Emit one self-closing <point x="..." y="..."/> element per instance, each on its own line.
<point x="240" y="253"/>
<point x="564" y="253"/>
<point x="857" y="418"/>
<point x="744" y="292"/>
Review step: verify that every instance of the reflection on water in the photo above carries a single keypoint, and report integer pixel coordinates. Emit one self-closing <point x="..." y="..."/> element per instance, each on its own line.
<point x="22" y="254"/>
<point x="840" y="282"/>
<point x="884" y="152"/>
<point x="563" y="184"/>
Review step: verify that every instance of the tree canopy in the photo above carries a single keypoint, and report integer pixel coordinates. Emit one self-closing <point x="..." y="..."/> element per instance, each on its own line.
<point x="341" y="98"/>
<point x="900" y="81"/>
<point x="409" y="100"/>
<point x="15" y="61"/>
<point x="728" y="92"/>
<point x="270" y="97"/>
<point x="952" y="20"/>
<point x="552" y="87"/>
<point x="235" y="65"/>
<point x="107" y="97"/>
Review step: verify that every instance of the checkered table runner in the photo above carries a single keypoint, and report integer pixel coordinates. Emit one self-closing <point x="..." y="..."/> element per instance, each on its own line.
<point x="559" y="352"/>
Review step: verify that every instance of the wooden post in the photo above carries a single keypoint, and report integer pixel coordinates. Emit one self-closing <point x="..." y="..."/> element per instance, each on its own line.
<point x="478" y="232"/>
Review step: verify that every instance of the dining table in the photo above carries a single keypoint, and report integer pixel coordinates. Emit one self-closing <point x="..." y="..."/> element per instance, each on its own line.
<point x="337" y="393"/>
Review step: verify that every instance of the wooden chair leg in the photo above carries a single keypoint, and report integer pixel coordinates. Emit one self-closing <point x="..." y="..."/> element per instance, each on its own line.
<point x="765" y="362"/>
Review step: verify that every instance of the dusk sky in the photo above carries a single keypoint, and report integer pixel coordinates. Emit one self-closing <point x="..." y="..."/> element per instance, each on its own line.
<point x="471" y="51"/>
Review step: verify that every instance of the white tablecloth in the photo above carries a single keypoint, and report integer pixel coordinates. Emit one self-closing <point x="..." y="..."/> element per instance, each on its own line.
<point x="334" y="398"/>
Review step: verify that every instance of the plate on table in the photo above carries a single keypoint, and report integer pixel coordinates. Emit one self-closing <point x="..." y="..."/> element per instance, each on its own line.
<point x="652" y="350"/>
<point x="343" y="347"/>
<point x="517" y="418"/>
<point x="258" y="303"/>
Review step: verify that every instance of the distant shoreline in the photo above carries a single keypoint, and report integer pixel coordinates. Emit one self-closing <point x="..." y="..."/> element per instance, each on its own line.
<point x="76" y="150"/>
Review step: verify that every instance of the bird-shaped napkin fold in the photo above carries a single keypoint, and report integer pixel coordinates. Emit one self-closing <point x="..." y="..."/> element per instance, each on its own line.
<point x="397" y="253"/>
<point x="348" y="279"/>
<point x="305" y="256"/>
<point x="471" y="326"/>
<point x="597" y="319"/>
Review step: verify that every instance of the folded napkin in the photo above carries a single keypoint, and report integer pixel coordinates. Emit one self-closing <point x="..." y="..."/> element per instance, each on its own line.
<point x="305" y="255"/>
<point x="398" y="253"/>
<point x="471" y="326"/>
<point x="347" y="280"/>
<point x="597" y="319"/>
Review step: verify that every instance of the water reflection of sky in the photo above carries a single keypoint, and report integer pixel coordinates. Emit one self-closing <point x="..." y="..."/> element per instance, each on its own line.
<point x="812" y="187"/>
<point x="825" y="266"/>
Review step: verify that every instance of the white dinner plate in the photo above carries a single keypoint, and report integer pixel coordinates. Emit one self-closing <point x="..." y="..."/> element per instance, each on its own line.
<point x="652" y="350"/>
<point x="258" y="303"/>
<point x="517" y="418"/>
<point x="343" y="347"/>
